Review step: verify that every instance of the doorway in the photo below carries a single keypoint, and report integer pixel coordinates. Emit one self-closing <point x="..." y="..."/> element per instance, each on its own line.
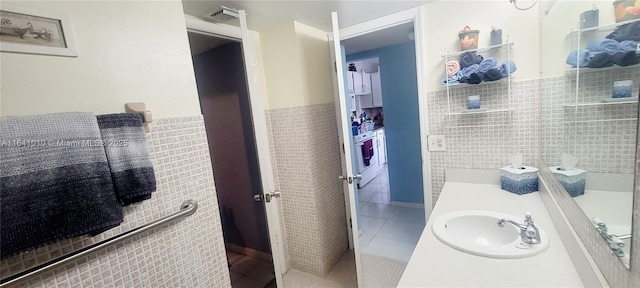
<point x="392" y="208"/>
<point x="226" y="108"/>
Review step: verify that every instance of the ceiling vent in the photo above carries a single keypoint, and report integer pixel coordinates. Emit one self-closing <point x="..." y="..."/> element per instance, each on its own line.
<point x="223" y="14"/>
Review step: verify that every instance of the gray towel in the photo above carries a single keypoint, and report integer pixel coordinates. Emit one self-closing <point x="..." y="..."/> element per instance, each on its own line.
<point x="54" y="180"/>
<point x="128" y="156"/>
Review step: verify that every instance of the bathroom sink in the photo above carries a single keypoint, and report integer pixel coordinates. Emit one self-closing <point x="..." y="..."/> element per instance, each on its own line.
<point x="477" y="233"/>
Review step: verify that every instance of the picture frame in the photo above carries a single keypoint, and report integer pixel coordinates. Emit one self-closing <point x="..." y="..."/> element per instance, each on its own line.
<point x="30" y="30"/>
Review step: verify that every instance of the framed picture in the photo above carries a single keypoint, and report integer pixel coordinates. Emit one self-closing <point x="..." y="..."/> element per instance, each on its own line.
<point x="35" y="31"/>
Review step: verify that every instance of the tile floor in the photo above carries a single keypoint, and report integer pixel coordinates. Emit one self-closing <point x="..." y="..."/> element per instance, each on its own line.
<point x="249" y="272"/>
<point x="387" y="230"/>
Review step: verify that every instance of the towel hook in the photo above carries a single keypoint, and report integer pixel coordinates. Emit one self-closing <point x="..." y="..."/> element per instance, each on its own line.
<point x="140" y="107"/>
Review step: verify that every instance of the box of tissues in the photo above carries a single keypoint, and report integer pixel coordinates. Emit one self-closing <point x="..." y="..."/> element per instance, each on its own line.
<point x="518" y="179"/>
<point x="573" y="180"/>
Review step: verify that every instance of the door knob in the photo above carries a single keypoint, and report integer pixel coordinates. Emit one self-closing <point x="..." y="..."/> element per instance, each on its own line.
<point x="274" y="194"/>
<point x="350" y="179"/>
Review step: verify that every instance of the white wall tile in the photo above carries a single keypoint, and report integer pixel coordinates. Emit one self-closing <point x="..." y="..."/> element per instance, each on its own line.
<point x="184" y="253"/>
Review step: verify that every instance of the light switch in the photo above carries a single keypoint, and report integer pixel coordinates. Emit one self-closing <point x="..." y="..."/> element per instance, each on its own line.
<point x="437" y="143"/>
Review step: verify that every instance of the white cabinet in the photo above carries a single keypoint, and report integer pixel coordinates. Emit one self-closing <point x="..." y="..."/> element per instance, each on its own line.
<point x="381" y="143"/>
<point x="352" y="102"/>
<point x="359" y="83"/>
<point x="350" y="84"/>
<point x="376" y="89"/>
<point x="366" y="83"/>
<point x="373" y="99"/>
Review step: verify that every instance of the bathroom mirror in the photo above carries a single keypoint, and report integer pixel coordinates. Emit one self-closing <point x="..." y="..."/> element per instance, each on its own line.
<point x="585" y="128"/>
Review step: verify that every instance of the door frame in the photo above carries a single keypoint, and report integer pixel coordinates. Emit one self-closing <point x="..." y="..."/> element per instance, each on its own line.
<point x="255" y="85"/>
<point x="414" y="15"/>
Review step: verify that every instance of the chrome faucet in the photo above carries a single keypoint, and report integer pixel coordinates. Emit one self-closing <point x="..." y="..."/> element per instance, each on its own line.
<point x="528" y="231"/>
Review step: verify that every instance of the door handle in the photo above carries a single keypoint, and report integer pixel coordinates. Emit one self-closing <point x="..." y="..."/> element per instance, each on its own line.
<point x="274" y="194"/>
<point x="267" y="196"/>
<point x="350" y="179"/>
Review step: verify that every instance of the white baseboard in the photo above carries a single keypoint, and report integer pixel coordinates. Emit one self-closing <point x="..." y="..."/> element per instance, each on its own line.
<point x="407" y="204"/>
<point x="249" y="252"/>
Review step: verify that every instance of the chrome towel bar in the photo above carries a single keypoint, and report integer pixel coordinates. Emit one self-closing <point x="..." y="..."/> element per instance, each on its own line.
<point x="186" y="209"/>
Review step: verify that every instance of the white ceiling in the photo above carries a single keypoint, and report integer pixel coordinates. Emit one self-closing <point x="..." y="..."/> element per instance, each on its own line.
<point x="265" y="14"/>
<point x="381" y="38"/>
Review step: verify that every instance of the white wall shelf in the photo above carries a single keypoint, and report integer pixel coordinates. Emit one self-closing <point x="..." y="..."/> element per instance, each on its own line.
<point x="573" y="71"/>
<point x="574" y="33"/>
<point x="602" y="120"/>
<point x="458" y="84"/>
<point x="478" y="50"/>
<point x="447" y="56"/>
<point x="575" y="36"/>
<point x="479" y="112"/>
<point x="601" y="103"/>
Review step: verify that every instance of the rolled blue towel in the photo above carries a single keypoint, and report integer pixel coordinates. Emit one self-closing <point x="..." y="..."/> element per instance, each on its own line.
<point x="469" y="58"/>
<point x="475" y="78"/>
<point x="466" y="72"/>
<point x="584" y="57"/>
<point x="487" y="64"/>
<point x="600" y="60"/>
<point x="604" y="45"/>
<point x="625" y="58"/>
<point x="628" y="46"/>
<point x="511" y="68"/>
<point x="492" y="74"/>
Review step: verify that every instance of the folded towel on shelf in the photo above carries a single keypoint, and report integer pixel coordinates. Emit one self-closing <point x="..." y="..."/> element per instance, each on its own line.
<point x="55" y="181"/>
<point x="466" y="72"/>
<point x="600" y="60"/>
<point x="452" y="80"/>
<point x="604" y="45"/>
<point x="487" y="64"/>
<point x="475" y="78"/>
<point x="628" y="45"/>
<point x="453" y="66"/>
<point x="583" y="55"/>
<point x="629" y="31"/>
<point x="469" y="58"/>
<point x="625" y="58"/>
<point x="507" y="68"/>
<point x="492" y="75"/>
<point x="128" y="155"/>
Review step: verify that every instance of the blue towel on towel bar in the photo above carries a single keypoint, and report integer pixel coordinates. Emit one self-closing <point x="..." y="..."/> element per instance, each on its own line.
<point x="128" y="155"/>
<point x="55" y="181"/>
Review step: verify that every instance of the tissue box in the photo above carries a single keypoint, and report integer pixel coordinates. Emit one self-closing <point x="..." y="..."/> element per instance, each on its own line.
<point x="572" y="180"/>
<point x="519" y="181"/>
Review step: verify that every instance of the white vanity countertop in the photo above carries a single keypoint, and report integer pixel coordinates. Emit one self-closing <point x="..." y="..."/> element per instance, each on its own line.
<point x="434" y="264"/>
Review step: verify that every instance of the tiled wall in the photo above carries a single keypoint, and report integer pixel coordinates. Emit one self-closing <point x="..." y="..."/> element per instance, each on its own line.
<point x="490" y="138"/>
<point x="305" y="149"/>
<point x="604" y="147"/>
<point x="184" y="253"/>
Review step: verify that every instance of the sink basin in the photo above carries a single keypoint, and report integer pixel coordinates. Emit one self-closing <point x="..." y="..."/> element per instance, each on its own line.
<point x="477" y="233"/>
